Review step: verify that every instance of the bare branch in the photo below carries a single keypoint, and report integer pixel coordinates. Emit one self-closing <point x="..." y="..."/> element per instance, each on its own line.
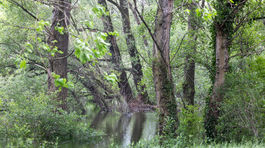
<point x="179" y="46"/>
<point x="149" y="30"/>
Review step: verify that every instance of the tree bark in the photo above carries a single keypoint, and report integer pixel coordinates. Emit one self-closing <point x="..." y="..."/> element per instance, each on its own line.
<point x="221" y="68"/>
<point x="161" y="68"/>
<point x="134" y="55"/>
<point x="223" y="31"/>
<point x="189" y="68"/>
<point x="61" y="14"/>
<point x="125" y="88"/>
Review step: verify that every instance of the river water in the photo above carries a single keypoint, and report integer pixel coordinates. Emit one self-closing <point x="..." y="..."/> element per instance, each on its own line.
<point x="119" y="129"/>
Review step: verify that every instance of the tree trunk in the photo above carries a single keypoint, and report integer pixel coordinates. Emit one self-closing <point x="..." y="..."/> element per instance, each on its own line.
<point x="125" y="88"/>
<point x="134" y="55"/>
<point x="98" y="89"/>
<point x="161" y="68"/>
<point x="189" y="68"/>
<point x="58" y="64"/>
<point x="221" y="69"/>
<point x="222" y="30"/>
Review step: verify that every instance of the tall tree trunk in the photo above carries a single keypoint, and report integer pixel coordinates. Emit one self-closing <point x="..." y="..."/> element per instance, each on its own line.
<point x="222" y="31"/>
<point x="125" y="88"/>
<point x="134" y="55"/>
<point x="161" y="68"/>
<point x="58" y="63"/>
<point x="216" y="99"/>
<point x="189" y="68"/>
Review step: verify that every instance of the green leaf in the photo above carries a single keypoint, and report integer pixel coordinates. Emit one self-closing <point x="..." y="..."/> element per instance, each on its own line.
<point x="23" y="64"/>
<point x="83" y="58"/>
<point x="29" y="45"/>
<point x="60" y="30"/>
<point x="60" y="51"/>
<point x="112" y="77"/>
<point x="70" y="84"/>
<point x="55" y="76"/>
<point x="54" y="41"/>
<point x="115" y="33"/>
<point x="89" y="24"/>
<point x="77" y="52"/>
<point x="99" y="11"/>
<point x="198" y="12"/>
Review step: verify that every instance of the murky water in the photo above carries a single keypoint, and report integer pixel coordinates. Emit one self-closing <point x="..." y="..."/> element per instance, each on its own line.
<point x="120" y="129"/>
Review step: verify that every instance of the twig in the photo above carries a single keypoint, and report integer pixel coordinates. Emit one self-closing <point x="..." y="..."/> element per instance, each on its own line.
<point x="150" y="32"/>
<point x="61" y="58"/>
<point x="179" y="47"/>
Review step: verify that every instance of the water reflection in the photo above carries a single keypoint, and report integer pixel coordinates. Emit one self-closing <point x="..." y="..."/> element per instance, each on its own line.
<point x="138" y="127"/>
<point x="121" y="129"/>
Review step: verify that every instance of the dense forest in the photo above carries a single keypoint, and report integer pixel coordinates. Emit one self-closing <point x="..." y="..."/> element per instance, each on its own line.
<point x="191" y="72"/>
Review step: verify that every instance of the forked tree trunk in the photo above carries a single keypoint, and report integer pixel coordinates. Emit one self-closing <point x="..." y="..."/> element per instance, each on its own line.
<point x="134" y="55"/>
<point x="223" y="31"/>
<point x="125" y="88"/>
<point x="58" y="63"/>
<point x="161" y="68"/>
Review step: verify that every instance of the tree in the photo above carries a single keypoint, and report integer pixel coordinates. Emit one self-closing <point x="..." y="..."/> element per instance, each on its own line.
<point x="134" y="54"/>
<point x="125" y="88"/>
<point x="162" y="70"/>
<point x="59" y="39"/>
<point x="189" y="68"/>
<point x="222" y="32"/>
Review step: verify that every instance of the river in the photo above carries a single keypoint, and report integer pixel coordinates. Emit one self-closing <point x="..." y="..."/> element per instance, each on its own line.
<point x="119" y="129"/>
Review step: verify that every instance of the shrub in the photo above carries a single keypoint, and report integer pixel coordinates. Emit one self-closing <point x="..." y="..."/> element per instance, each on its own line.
<point x="242" y="115"/>
<point x="191" y="126"/>
<point x="30" y="114"/>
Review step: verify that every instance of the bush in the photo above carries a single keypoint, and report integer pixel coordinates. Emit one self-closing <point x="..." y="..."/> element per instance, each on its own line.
<point x="243" y="110"/>
<point x="36" y="118"/>
<point x="191" y="126"/>
<point x="31" y="115"/>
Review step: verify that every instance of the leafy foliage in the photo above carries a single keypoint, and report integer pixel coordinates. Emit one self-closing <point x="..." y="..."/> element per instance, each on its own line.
<point x="35" y="117"/>
<point x="243" y="109"/>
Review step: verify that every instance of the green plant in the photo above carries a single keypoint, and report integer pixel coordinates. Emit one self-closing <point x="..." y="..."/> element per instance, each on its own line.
<point x="243" y="109"/>
<point x="191" y="126"/>
<point x="31" y="114"/>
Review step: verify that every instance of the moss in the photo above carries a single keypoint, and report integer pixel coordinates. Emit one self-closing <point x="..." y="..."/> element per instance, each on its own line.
<point x="168" y="120"/>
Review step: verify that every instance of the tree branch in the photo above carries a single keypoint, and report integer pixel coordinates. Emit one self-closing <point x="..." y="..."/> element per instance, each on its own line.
<point x="149" y="30"/>
<point x="61" y="58"/>
<point x="24" y="9"/>
<point x="116" y="4"/>
<point x="179" y="46"/>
